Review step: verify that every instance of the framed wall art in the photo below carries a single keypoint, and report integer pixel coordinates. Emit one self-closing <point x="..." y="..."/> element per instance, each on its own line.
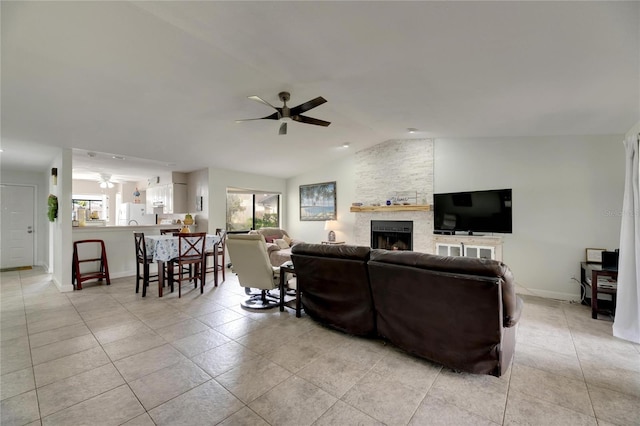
<point x="594" y="255"/>
<point x="318" y="201"/>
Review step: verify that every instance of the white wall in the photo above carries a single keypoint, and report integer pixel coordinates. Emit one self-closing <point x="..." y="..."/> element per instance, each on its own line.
<point x="41" y="224"/>
<point x="567" y="191"/>
<point x="60" y="240"/>
<point x="634" y="130"/>
<point x="198" y="186"/>
<point x="343" y="173"/>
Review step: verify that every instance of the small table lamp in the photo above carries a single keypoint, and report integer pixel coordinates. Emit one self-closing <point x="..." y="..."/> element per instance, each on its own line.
<point x="328" y="225"/>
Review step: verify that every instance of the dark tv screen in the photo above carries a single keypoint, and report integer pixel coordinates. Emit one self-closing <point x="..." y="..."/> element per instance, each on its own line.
<point x="473" y="211"/>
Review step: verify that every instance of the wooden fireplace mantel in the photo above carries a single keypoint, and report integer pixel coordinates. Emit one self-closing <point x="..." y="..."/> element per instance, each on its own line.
<point x="399" y="208"/>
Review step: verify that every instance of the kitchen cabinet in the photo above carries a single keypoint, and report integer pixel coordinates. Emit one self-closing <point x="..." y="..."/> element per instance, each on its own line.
<point x="171" y="197"/>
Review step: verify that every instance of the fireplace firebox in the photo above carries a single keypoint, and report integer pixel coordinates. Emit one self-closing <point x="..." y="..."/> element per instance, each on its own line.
<point x="392" y="234"/>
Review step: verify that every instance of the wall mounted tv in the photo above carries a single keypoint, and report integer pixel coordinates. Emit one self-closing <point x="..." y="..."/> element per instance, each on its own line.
<point x="474" y="211"/>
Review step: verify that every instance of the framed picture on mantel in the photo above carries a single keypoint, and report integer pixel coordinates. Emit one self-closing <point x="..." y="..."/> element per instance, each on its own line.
<point x="318" y="201"/>
<point x="594" y="255"/>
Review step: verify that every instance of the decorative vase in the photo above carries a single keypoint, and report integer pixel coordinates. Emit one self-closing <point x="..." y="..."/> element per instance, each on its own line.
<point x="185" y="230"/>
<point x="188" y="219"/>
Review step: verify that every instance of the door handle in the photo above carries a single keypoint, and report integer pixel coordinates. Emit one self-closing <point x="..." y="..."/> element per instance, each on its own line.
<point x="29" y="232"/>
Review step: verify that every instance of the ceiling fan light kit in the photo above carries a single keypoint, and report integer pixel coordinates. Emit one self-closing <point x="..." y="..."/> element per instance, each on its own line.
<point x="285" y="113"/>
<point x="105" y="181"/>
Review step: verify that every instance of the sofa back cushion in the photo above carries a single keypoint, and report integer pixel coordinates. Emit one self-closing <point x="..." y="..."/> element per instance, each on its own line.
<point x="335" y="287"/>
<point x="461" y="265"/>
<point x="447" y="314"/>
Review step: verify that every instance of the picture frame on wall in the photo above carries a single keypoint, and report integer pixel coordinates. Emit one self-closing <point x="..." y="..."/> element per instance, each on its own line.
<point x="594" y="255"/>
<point x="318" y="201"/>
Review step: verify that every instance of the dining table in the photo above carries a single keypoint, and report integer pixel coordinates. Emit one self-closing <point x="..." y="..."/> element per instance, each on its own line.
<point x="164" y="248"/>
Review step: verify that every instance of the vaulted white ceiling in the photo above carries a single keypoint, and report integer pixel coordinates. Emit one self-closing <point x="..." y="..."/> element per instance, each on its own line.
<point x="164" y="82"/>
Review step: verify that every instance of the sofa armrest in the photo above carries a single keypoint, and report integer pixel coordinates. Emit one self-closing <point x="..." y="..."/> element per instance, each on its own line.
<point x="511" y="303"/>
<point x="294" y="242"/>
<point x="511" y="320"/>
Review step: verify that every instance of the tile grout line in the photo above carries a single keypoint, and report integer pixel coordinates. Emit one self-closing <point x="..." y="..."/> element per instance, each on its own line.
<point x="33" y="372"/>
<point x="99" y="344"/>
<point x="110" y="362"/>
<point x="506" y="400"/>
<point x="584" y="378"/>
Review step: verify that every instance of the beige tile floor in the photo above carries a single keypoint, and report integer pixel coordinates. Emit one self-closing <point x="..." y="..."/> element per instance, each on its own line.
<point x="105" y="355"/>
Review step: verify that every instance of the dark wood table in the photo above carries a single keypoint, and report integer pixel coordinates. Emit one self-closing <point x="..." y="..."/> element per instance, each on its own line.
<point x="284" y="269"/>
<point x="596" y="270"/>
<point x="163" y="248"/>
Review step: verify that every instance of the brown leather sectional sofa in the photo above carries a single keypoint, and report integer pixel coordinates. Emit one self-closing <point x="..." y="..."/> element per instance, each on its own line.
<point x="457" y="311"/>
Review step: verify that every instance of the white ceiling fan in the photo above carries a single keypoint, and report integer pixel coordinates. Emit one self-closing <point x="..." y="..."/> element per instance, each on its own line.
<point x="105" y="181"/>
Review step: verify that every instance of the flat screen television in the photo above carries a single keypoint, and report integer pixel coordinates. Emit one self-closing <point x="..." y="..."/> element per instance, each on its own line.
<point x="473" y="211"/>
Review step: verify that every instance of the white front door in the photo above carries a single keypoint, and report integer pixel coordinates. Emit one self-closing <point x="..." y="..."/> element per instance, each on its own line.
<point x="17" y="226"/>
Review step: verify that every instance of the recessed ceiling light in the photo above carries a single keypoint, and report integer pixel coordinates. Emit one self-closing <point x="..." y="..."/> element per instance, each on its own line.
<point x="91" y="154"/>
<point x="345" y="145"/>
<point x="117" y="157"/>
<point x="412" y="130"/>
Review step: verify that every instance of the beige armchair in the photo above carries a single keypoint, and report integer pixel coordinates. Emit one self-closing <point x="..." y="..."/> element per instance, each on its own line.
<point x="275" y="238"/>
<point x="248" y="255"/>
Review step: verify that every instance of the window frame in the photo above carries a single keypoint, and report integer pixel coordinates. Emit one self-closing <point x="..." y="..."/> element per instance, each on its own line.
<point x="253" y="194"/>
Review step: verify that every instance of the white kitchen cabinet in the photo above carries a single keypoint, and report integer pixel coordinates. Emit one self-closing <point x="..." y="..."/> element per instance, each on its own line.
<point x="176" y="198"/>
<point x="155" y="197"/>
<point x="172" y="197"/>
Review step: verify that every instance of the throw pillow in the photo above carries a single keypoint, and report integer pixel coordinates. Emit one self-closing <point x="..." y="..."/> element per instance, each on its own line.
<point x="270" y="238"/>
<point x="281" y="243"/>
<point x="287" y="240"/>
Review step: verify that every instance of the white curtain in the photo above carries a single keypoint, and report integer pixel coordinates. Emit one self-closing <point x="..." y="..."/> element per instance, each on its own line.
<point x="627" y="320"/>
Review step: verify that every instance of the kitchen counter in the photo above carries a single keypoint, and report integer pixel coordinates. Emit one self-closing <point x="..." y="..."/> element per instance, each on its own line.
<point x="119" y="243"/>
<point x="143" y="228"/>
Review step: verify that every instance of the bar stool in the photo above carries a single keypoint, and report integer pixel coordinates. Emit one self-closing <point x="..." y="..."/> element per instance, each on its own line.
<point x="89" y="246"/>
<point x="218" y="254"/>
<point x="143" y="259"/>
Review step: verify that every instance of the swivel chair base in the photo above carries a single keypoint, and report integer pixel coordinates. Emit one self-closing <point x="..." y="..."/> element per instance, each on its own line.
<point x="262" y="300"/>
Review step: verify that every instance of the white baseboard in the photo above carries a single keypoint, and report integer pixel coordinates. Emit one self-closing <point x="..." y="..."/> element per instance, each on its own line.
<point x="62" y="288"/>
<point x="123" y="274"/>
<point x="548" y="294"/>
<point x="44" y="266"/>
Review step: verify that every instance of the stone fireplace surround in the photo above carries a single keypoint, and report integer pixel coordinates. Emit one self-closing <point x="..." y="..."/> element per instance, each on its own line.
<point x="382" y="170"/>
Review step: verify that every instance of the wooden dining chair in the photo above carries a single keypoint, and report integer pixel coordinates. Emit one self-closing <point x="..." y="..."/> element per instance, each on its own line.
<point x="145" y="260"/>
<point x="190" y="255"/>
<point x="218" y="255"/>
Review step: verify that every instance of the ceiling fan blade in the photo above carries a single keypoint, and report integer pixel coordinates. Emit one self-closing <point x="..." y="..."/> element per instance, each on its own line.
<point x="308" y="105"/>
<point x="310" y="120"/>
<point x="274" y="116"/>
<point x="259" y="99"/>
<point x="247" y="119"/>
<point x="283" y="129"/>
